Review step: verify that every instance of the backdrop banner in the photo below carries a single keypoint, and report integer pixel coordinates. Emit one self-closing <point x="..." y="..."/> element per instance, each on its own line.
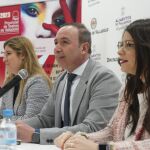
<point x="38" y="21"/>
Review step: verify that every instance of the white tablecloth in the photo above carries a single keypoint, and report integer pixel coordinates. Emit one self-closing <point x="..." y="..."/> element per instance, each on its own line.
<point x="30" y="146"/>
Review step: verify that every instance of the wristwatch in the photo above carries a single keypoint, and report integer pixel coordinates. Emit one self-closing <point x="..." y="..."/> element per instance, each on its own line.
<point x="107" y="146"/>
<point x="103" y="147"/>
<point x="36" y="137"/>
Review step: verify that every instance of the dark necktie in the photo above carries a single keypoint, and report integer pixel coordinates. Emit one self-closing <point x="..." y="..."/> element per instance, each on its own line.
<point x="67" y="99"/>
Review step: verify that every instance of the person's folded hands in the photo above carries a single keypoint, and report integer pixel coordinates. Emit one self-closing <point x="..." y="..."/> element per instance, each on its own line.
<point x="60" y="140"/>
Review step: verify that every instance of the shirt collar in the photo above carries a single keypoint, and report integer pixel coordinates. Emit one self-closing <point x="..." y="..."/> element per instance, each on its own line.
<point x="78" y="71"/>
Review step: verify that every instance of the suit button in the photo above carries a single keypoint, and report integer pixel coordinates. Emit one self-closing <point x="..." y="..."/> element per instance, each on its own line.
<point x="50" y="141"/>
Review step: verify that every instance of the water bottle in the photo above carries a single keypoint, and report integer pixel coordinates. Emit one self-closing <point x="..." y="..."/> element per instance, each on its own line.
<point x="8" y="131"/>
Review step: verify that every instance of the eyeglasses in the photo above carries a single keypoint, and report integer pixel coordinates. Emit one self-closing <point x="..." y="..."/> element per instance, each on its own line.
<point x="126" y="45"/>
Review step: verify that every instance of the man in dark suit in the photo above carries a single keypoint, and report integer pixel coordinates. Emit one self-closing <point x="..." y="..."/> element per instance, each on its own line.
<point x="94" y="91"/>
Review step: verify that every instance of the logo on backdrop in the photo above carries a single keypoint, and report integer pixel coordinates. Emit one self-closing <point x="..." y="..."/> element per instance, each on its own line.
<point x="112" y="59"/>
<point x="122" y="21"/>
<point x="95" y="53"/>
<point x="94" y="24"/>
<point x="93" y="2"/>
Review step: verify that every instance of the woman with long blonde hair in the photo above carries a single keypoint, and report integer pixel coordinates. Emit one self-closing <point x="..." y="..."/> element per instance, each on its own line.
<point x="29" y="96"/>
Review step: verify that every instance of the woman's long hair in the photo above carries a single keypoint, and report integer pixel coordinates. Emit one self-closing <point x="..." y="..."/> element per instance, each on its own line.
<point x="140" y="32"/>
<point x="23" y="46"/>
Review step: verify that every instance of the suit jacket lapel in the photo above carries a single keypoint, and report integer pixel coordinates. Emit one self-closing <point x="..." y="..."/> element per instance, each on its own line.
<point x="81" y="87"/>
<point x="78" y="98"/>
<point x="59" y="94"/>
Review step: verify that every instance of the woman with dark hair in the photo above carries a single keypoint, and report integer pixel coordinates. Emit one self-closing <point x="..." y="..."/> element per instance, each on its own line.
<point x="129" y="128"/>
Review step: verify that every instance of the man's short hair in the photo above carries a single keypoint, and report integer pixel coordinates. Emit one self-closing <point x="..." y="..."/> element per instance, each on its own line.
<point x="84" y="34"/>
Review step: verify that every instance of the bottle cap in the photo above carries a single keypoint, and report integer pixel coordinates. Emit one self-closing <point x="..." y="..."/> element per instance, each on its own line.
<point x="7" y="112"/>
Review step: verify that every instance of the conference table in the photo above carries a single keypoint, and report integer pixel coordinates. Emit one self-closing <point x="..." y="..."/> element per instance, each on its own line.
<point x="30" y="146"/>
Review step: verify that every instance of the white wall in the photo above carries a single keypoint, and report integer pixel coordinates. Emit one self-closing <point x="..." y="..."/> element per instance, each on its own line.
<point x="111" y="16"/>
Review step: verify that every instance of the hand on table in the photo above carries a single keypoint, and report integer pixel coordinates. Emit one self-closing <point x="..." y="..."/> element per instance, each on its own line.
<point x="79" y="142"/>
<point x="60" y="140"/>
<point x="24" y="131"/>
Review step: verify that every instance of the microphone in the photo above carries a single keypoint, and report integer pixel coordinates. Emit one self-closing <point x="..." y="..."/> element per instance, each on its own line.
<point x="22" y="74"/>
